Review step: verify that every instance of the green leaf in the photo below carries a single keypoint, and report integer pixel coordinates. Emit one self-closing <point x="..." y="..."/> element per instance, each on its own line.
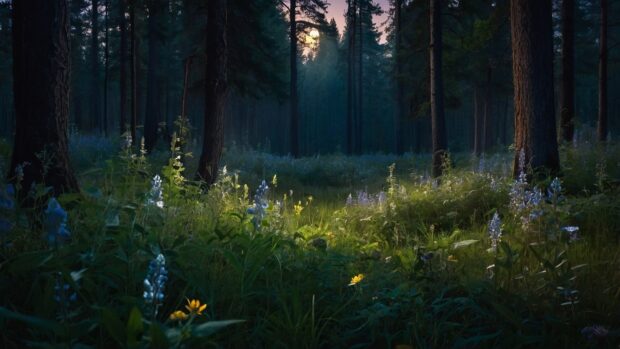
<point x="463" y="243"/>
<point x="158" y="337"/>
<point x="113" y="325"/>
<point x="211" y="327"/>
<point x="32" y="321"/>
<point x="134" y="327"/>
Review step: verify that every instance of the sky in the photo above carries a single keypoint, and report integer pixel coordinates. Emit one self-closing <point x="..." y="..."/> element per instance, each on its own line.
<point x="337" y="9"/>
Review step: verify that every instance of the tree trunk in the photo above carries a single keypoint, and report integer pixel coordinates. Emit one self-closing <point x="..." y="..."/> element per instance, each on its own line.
<point x="602" y="76"/>
<point x="438" y="123"/>
<point x="216" y="91"/>
<point x="293" y="59"/>
<point x="123" y="67"/>
<point x="360" y="85"/>
<point x="106" y="69"/>
<point x="567" y="108"/>
<point x="133" y="72"/>
<point x="400" y="89"/>
<point x="352" y="13"/>
<point x="95" y="96"/>
<point x="486" y="122"/>
<point x="477" y="122"/>
<point x="41" y="78"/>
<point x="152" y="116"/>
<point x="532" y="66"/>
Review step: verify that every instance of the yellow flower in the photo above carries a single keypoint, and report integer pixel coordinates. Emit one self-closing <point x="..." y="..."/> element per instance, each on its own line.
<point x="451" y="258"/>
<point x="298" y="208"/>
<point x="356" y="279"/>
<point x="178" y="316"/>
<point x="194" y="307"/>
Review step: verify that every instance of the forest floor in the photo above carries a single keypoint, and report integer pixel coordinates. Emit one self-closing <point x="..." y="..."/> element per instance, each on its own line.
<point x="330" y="252"/>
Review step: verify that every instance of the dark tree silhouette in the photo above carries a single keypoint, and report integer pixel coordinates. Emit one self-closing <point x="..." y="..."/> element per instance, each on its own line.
<point x="532" y="66"/>
<point x="123" y="65"/>
<point x="153" y="115"/>
<point x="602" y="75"/>
<point x="95" y="90"/>
<point x="41" y="72"/>
<point x="216" y="91"/>
<point x="438" y="123"/>
<point x="567" y="108"/>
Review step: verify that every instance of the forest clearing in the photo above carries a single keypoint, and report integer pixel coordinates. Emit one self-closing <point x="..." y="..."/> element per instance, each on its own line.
<point x="309" y="174"/>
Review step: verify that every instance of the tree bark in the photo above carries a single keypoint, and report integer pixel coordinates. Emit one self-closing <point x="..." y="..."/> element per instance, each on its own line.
<point x="95" y="97"/>
<point x="477" y="122"/>
<point x="352" y="13"/>
<point x="152" y="116"/>
<point x="133" y="72"/>
<point x="602" y="75"/>
<point x="106" y="69"/>
<point x="360" y="84"/>
<point x="438" y="123"/>
<point x="41" y="71"/>
<point x="293" y="92"/>
<point x="123" y="67"/>
<point x="532" y="66"/>
<point x="486" y="122"/>
<point x="567" y="108"/>
<point x="400" y="89"/>
<point x="216" y="91"/>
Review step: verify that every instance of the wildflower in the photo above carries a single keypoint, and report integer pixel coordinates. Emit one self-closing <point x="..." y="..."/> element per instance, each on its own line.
<point x="274" y="180"/>
<point x="356" y="279"/>
<point x="127" y="140"/>
<point x="63" y="294"/>
<point x="426" y="257"/>
<point x="56" y="222"/>
<point x="178" y="315"/>
<point x="156" y="195"/>
<point x="453" y="259"/>
<point x="194" y="307"/>
<point x="258" y="209"/>
<point x="298" y="207"/>
<point x="594" y="332"/>
<point x="6" y="198"/>
<point x="554" y="192"/>
<point x="155" y="282"/>
<point x="495" y="231"/>
<point x="381" y="198"/>
<point x="573" y="233"/>
<point x="481" y="164"/>
<point x="349" y="200"/>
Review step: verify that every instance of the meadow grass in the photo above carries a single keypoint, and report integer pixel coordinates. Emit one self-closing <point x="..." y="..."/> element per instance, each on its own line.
<point x="348" y="252"/>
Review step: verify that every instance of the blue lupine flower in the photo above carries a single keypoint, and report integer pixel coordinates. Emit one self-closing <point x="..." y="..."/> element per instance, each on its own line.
<point x="426" y="257"/>
<point x="56" y="223"/>
<point x="349" y="200"/>
<point x="573" y="233"/>
<point x="156" y="195"/>
<point x="7" y="201"/>
<point x="495" y="231"/>
<point x="5" y="226"/>
<point x="63" y="293"/>
<point x="155" y="282"/>
<point x="260" y="206"/>
<point x="554" y="192"/>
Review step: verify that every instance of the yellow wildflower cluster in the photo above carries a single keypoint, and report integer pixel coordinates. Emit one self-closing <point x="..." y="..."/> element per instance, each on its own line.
<point x="194" y="307"/>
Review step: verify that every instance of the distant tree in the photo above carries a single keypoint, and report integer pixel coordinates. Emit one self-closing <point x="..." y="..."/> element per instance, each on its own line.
<point x="602" y="75"/>
<point x="532" y="53"/>
<point x="122" y="80"/>
<point x="567" y="108"/>
<point x="133" y="70"/>
<point x="95" y="88"/>
<point x="400" y="88"/>
<point x="351" y="34"/>
<point x="106" y="70"/>
<point x="41" y="69"/>
<point x="216" y="91"/>
<point x="153" y="114"/>
<point x="314" y="11"/>
<point x="437" y="98"/>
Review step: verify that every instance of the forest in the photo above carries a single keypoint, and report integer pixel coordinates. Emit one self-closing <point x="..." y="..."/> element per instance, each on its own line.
<point x="310" y="174"/>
